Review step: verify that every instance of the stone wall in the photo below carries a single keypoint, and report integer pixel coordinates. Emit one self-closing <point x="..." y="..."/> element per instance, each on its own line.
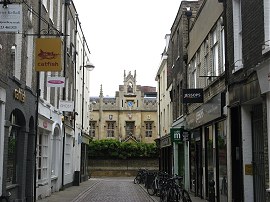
<point x="120" y="167"/>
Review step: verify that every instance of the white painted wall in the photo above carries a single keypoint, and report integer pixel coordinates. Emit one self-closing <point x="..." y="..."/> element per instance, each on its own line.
<point x="247" y="152"/>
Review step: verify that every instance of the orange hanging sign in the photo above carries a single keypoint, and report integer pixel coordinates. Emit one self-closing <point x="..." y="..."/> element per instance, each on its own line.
<point x="48" y="54"/>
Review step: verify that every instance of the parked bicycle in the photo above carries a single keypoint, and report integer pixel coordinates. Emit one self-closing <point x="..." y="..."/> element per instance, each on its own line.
<point x="173" y="191"/>
<point x="155" y="186"/>
<point x="140" y="177"/>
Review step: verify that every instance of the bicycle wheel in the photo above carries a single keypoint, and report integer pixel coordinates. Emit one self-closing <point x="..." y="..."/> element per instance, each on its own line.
<point x="173" y="195"/>
<point x="163" y="195"/>
<point x="151" y="190"/>
<point x="185" y="196"/>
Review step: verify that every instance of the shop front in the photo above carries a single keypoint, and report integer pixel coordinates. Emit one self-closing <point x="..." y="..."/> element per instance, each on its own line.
<point x="208" y="149"/>
<point x="166" y="154"/>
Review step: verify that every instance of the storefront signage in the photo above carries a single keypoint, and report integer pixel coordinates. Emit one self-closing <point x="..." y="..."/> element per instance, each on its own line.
<point x="205" y="113"/>
<point x="55" y="81"/>
<point x="179" y="135"/>
<point x="248" y="169"/>
<point x="193" y="95"/>
<point x="48" y="54"/>
<point x="165" y="141"/>
<point x="19" y="94"/>
<point x="66" y="106"/>
<point x="11" y="18"/>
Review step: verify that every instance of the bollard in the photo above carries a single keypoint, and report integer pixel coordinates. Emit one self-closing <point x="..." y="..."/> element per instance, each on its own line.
<point x="212" y="191"/>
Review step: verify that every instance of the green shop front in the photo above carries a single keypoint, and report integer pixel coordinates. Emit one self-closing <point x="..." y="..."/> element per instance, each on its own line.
<point x="180" y="141"/>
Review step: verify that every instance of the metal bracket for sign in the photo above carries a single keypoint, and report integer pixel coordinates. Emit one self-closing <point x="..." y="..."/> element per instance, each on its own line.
<point x="48" y="32"/>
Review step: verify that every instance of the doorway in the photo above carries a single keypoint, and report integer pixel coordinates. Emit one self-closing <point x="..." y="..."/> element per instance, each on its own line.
<point x="258" y="153"/>
<point x="236" y="150"/>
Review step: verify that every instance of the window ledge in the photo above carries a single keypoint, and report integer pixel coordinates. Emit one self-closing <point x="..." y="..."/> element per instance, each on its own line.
<point x="237" y="68"/>
<point x="266" y="50"/>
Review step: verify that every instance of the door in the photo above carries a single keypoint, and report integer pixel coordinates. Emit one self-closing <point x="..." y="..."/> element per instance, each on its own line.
<point x="236" y="149"/>
<point x="258" y="153"/>
<point x="199" y="169"/>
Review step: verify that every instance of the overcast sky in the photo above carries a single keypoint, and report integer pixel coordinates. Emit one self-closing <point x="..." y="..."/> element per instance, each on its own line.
<point x="125" y="35"/>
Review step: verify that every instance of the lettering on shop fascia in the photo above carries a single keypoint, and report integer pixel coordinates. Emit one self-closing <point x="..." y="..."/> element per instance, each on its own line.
<point x="19" y="94"/>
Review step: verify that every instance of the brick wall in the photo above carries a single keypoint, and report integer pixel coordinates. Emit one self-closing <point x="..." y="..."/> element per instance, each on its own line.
<point x="120" y="167"/>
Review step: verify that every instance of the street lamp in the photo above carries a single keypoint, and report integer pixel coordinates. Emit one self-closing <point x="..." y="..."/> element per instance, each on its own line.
<point x="90" y="67"/>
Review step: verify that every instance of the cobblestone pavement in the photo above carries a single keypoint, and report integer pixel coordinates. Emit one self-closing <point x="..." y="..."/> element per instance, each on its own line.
<point x="115" y="190"/>
<point x="119" y="189"/>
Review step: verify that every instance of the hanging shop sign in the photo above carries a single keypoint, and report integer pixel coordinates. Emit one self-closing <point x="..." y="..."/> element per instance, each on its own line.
<point x="48" y="54"/>
<point x="193" y="95"/>
<point x="165" y="141"/>
<point x="66" y="106"/>
<point x="55" y="82"/>
<point x="11" y="18"/>
<point x="179" y="135"/>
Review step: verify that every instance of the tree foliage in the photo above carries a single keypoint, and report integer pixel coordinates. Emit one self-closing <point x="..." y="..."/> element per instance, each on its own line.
<point x="110" y="148"/>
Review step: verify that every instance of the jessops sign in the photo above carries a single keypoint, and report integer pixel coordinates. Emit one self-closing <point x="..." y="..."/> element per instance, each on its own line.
<point x="193" y="95"/>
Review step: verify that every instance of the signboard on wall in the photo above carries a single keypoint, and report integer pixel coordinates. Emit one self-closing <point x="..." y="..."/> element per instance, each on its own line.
<point x="11" y="18"/>
<point x="193" y="95"/>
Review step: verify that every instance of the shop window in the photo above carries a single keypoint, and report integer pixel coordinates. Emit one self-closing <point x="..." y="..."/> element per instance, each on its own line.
<point x="12" y="155"/>
<point x="68" y="156"/>
<point x="42" y="155"/>
<point x="222" y="161"/>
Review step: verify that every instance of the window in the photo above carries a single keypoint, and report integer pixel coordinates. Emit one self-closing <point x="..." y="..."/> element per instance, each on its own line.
<point x="237" y="22"/>
<point x="222" y="49"/>
<point x="45" y="3"/>
<point x="148" y="129"/>
<point x="51" y="9"/>
<point x="215" y="53"/>
<point x="129" y="128"/>
<point x="29" y="58"/>
<point x="12" y="152"/>
<point x="266" y="47"/>
<point x="68" y="157"/>
<point x="110" y="128"/>
<point x="42" y="155"/>
<point x="92" y="131"/>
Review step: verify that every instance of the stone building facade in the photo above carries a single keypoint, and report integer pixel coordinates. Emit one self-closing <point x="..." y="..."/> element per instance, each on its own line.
<point x="131" y="116"/>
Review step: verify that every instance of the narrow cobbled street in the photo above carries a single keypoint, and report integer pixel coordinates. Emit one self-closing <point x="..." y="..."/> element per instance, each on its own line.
<point x="114" y="189"/>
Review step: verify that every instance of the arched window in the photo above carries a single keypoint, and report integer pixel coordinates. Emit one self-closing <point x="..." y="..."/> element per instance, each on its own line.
<point x="12" y="150"/>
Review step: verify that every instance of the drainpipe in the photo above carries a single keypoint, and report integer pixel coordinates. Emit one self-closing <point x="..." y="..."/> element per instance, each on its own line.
<point x="37" y="103"/>
<point x="67" y="3"/>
